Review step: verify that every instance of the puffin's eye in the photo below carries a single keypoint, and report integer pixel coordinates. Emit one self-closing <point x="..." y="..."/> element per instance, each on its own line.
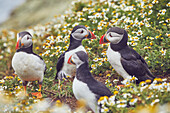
<point x="110" y="35"/>
<point x="82" y="31"/>
<point x="27" y="38"/>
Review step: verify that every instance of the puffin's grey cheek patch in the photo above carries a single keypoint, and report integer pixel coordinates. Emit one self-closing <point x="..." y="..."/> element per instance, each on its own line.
<point x="115" y="38"/>
<point x="120" y="39"/>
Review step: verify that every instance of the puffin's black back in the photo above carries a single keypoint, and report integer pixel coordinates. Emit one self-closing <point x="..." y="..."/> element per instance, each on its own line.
<point x="134" y="64"/>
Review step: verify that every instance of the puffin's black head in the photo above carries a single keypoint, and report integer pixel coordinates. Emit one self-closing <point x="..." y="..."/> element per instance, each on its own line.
<point x="24" y="40"/>
<point x="78" y="58"/>
<point x="116" y="36"/>
<point x="80" y="32"/>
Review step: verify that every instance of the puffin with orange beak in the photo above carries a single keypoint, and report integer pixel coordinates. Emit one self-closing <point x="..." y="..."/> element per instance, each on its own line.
<point x="85" y="86"/>
<point x="26" y="64"/>
<point x="126" y="61"/>
<point x="78" y="33"/>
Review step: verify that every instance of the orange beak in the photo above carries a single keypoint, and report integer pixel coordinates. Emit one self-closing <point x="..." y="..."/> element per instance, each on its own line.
<point x="103" y="40"/>
<point x="18" y="43"/>
<point x="91" y="35"/>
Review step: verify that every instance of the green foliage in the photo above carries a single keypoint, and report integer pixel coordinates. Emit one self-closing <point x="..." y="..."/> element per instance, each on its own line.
<point x="79" y="6"/>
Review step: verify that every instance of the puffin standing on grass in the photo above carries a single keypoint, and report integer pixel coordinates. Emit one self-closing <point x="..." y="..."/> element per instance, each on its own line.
<point x="26" y="64"/>
<point x="84" y="85"/>
<point x="78" y="33"/>
<point x="126" y="61"/>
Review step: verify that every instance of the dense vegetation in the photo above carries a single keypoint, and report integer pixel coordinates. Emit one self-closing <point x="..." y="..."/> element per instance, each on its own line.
<point x="147" y="23"/>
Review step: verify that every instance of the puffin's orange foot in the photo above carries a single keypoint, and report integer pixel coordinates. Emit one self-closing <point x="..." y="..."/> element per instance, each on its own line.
<point x="37" y="94"/>
<point x="121" y="85"/>
<point x="25" y="93"/>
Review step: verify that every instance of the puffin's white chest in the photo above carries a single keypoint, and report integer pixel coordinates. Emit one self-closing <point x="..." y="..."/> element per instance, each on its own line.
<point x="114" y="58"/>
<point x="81" y="91"/>
<point x="28" y="66"/>
<point x="67" y="68"/>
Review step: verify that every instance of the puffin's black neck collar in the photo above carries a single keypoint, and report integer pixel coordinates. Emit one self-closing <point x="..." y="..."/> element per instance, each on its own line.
<point x="117" y="47"/>
<point x="27" y="50"/>
<point x="74" y="43"/>
<point x="82" y="73"/>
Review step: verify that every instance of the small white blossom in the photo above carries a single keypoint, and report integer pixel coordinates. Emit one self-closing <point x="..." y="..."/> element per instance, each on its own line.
<point x="154" y="102"/>
<point x="133" y="101"/>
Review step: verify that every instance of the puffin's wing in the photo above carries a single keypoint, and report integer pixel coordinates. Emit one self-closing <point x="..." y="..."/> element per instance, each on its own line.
<point x="135" y="65"/>
<point x="60" y="63"/>
<point x="99" y="89"/>
<point x="42" y="61"/>
<point x="38" y="56"/>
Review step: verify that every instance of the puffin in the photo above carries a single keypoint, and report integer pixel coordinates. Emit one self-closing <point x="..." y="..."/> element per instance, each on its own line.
<point x="78" y="33"/>
<point x="26" y="64"/>
<point x="125" y="60"/>
<point x="85" y="87"/>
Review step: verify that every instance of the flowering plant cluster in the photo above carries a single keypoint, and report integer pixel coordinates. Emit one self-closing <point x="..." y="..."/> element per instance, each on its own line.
<point x="129" y="96"/>
<point x="147" y="23"/>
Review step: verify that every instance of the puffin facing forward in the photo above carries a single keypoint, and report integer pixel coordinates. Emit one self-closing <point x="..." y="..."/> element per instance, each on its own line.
<point x="26" y="64"/>
<point x="84" y="85"/>
<point x="78" y="33"/>
<point x="126" y="61"/>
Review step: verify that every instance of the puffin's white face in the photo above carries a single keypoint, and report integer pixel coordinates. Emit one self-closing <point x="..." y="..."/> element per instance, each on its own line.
<point x="113" y="37"/>
<point x="25" y="41"/>
<point x="80" y="33"/>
